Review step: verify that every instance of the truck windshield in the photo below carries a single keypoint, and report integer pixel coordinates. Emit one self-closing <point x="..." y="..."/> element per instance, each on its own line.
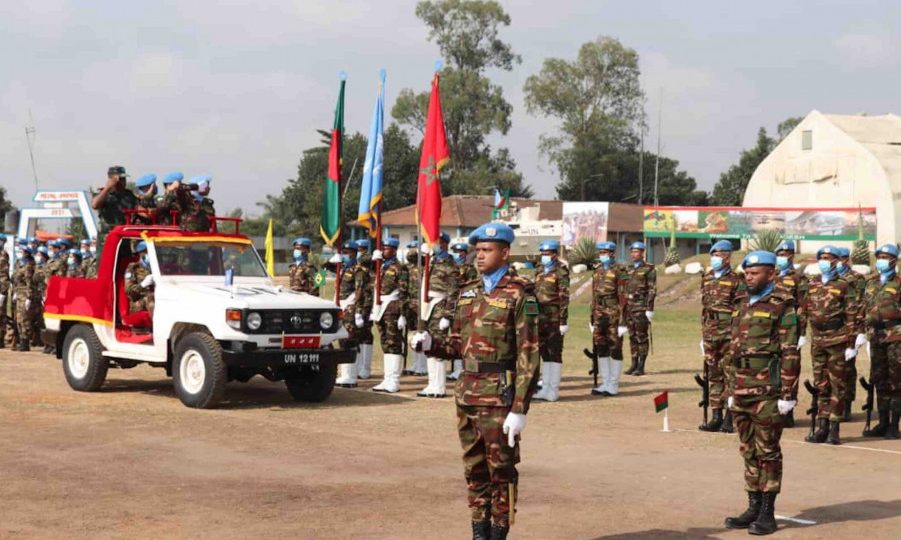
<point x="208" y="259"/>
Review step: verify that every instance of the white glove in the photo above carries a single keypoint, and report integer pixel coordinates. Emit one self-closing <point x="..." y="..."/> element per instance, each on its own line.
<point x="377" y="255"/>
<point x="702" y="348"/>
<point x="869" y="355"/>
<point x="421" y="341"/>
<point x="850" y="353"/>
<point x="373" y="317"/>
<point x="513" y="426"/>
<point x="785" y="407"/>
<point x="444" y="323"/>
<point x="27" y="304"/>
<point x="861" y="339"/>
<point x="401" y="322"/>
<point x="621" y="331"/>
<point x="358" y="320"/>
<point x="336" y="259"/>
<point x="649" y="315"/>
<point x="15" y="296"/>
<point x="730" y="402"/>
<point x="591" y="328"/>
<point x="802" y="341"/>
<point x="564" y="328"/>
<point x="147" y="281"/>
<point x="425" y="249"/>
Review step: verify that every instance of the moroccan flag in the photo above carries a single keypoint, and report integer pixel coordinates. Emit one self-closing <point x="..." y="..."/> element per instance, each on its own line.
<point x="370" y="209"/>
<point x="270" y="251"/>
<point x="330" y="220"/>
<point x="435" y="155"/>
<point x="661" y="401"/>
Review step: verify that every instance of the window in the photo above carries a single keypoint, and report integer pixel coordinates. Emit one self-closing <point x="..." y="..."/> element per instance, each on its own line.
<point x="807" y="139"/>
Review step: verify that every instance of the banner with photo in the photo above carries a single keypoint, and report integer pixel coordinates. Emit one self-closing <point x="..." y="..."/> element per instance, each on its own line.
<point x="584" y="220"/>
<point x="742" y="223"/>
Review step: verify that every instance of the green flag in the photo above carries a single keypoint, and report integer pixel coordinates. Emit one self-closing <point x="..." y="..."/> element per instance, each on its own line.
<point x="330" y="221"/>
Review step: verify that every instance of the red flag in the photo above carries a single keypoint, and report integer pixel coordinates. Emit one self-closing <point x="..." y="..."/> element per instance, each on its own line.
<point x="435" y="155"/>
<point x="661" y="401"/>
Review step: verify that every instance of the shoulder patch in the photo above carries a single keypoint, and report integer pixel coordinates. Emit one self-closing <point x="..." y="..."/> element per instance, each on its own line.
<point x="531" y="307"/>
<point x="789" y="320"/>
<point x="789" y="282"/>
<point x="469" y="293"/>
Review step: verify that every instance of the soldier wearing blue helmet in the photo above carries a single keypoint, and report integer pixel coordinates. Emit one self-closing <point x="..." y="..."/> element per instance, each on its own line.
<point x="26" y="299"/>
<point x="420" y="363"/>
<point x="352" y="299"/>
<point x="883" y="323"/>
<point x="495" y="331"/>
<point x="390" y="313"/>
<point x="640" y="290"/>
<point x="146" y="192"/>
<point x="552" y="293"/>
<point x="792" y="283"/>
<point x="364" y="267"/>
<point x="722" y="290"/>
<point x="205" y="205"/>
<point x="857" y="285"/>
<point x="444" y="281"/>
<point x="606" y="320"/>
<point x="765" y="359"/>
<point x="4" y="289"/>
<point x="139" y="284"/>
<point x="302" y="271"/>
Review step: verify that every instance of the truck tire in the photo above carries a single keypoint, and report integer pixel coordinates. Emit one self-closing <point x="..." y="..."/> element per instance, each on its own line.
<point x="199" y="373"/>
<point x="313" y="386"/>
<point x="83" y="361"/>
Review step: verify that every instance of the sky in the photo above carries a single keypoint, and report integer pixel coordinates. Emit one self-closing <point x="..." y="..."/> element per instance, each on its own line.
<point x="236" y="89"/>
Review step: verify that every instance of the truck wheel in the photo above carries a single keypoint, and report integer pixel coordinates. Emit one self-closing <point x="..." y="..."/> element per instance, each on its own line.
<point x="313" y="386"/>
<point x="83" y="361"/>
<point x="199" y="372"/>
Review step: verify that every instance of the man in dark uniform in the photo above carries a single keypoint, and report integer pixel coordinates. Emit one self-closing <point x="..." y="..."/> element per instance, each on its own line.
<point x="552" y="293"/>
<point x="640" y="291"/>
<point x="791" y="283"/>
<point x="113" y="200"/>
<point x="495" y="331"/>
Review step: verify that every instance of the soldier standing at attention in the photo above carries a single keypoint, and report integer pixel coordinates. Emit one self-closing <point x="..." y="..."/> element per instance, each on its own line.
<point x="113" y="200"/>
<point x="390" y="314"/>
<point x="790" y="282"/>
<point x="830" y="307"/>
<point x="443" y="286"/>
<point x="640" y="290"/>
<point x="347" y="299"/>
<point x="420" y="365"/>
<point x="605" y="324"/>
<point x="88" y="261"/>
<point x="4" y="289"/>
<point x="552" y="293"/>
<point x="25" y="290"/>
<point x="139" y="282"/>
<point x="166" y="203"/>
<point x="883" y="320"/>
<point x="302" y="272"/>
<point x="495" y="331"/>
<point x="765" y="356"/>
<point x="74" y="267"/>
<point x="857" y="286"/>
<point x="722" y="290"/>
<point x="204" y="203"/>
<point x="364" y="280"/>
<point x="467" y="272"/>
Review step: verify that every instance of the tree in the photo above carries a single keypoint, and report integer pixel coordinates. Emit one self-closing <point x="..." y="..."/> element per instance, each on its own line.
<point x="5" y="204"/>
<point x="786" y="126"/>
<point x="466" y="33"/>
<point x="730" y="188"/>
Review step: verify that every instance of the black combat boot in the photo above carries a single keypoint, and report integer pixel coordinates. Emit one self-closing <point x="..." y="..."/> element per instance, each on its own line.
<point x="498" y="532"/>
<point x="640" y="371"/>
<point x="833" y="437"/>
<point x="481" y="530"/>
<point x="892" y="431"/>
<point x="634" y="365"/>
<point x="714" y="423"/>
<point x="822" y="431"/>
<point x="879" y="429"/>
<point x="846" y="417"/>
<point x="766" y="519"/>
<point x="788" y="420"/>
<point x="727" y="423"/>
<point x="743" y="521"/>
<point x="23" y="347"/>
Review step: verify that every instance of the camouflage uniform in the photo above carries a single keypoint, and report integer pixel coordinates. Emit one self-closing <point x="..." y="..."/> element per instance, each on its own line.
<point x="394" y="278"/>
<point x="720" y="296"/>
<point x="857" y="285"/>
<point x="606" y="310"/>
<point x="765" y="357"/>
<point x="354" y="280"/>
<point x="883" y="322"/>
<point x="364" y="286"/>
<point x="830" y="309"/>
<point x="190" y="216"/>
<point x="149" y="202"/>
<point x="302" y="277"/>
<point x="791" y="283"/>
<point x="25" y="287"/>
<point x="139" y="298"/>
<point x="75" y="271"/>
<point x="112" y="212"/>
<point x="468" y="272"/>
<point x="443" y="276"/>
<point x="89" y="267"/>
<point x="552" y="293"/>
<point x="6" y="294"/>
<point x="495" y="333"/>
<point x="640" y="289"/>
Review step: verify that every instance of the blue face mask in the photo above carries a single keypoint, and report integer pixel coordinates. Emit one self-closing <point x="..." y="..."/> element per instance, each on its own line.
<point x="39" y="260"/>
<point x="145" y="262"/>
<point x="781" y="263"/>
<point x="459" y="258"/>
<point x="346" y="260"/>
<point x="70" y="261"/>
<point x="547" y="260"/>
<point x="824" y="266"/>
<point x="604" y="259"/>
<point x="716" y="262"/>
<point x="298" y="254"/>
<point x="884" y="266"/>
<point x="839" y="266"/>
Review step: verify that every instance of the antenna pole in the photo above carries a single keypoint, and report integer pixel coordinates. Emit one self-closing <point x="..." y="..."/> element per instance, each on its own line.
<point x="29" y="137"/>
<point x="657" y="160"/>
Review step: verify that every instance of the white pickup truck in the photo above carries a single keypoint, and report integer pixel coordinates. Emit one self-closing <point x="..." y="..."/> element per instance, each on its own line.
<point x="217" y="317"/>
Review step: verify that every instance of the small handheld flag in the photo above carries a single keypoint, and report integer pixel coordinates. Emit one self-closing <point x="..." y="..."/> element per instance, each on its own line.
<point x="319" y="279"/>
<point x="661" y="403"/>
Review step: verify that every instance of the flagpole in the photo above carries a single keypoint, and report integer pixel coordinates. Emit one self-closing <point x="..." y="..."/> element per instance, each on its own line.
<point x="339" y="270"/>
<point x="378" y="223"/>
<point x="666" y="420"/>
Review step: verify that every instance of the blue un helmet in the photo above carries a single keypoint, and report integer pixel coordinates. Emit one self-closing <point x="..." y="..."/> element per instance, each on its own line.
<point x="759" y="258"/>
<point x="349" y="244"/>
<point x="888" y="249"/>
<point x="146" y="180"/>
<point x="175" y="176"/>
<point x="827" y="250"/>
<point x="638" y="245"/>
<point x="444" y="237"/>
<point x="460" y="246"/>
<point x="363" y="243"/>
<point x="391" y="242"/>
<point x="142" y="246"/>
<point x="303" y="241"/>
<point x="492" y="232"/>
<point x="721" y="245"/>
<point x="549" y="245"/>
<point x="842" y="252"/>
<point x="413" y="244"/>
<point x="786" y="245"/>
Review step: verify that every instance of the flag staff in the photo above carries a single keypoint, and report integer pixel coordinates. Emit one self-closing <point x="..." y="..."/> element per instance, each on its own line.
<point x="337" y="241"/>
<point x="378" y="219"/>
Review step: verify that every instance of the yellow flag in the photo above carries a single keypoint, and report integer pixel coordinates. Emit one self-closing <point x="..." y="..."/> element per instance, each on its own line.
<point x="270" y="252"/>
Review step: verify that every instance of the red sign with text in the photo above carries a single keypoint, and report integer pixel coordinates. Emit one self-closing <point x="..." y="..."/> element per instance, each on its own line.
<point x="300" y="342"/>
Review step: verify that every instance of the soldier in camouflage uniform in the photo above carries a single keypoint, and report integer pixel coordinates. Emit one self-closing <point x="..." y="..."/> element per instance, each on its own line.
<point x="389" y="314"/>
<point x="74" y="267"/>
<point x="722" y="290"/>
<point x="605" y="323"/>
<point x="467" y="272"/>
<point x="5" y="293"/>
<point x="139" y="283"/>
<point x="443" y="286"/>
<point x="420" y="365"/>
<point x="831" y="311"/>
<point x="640" y="289"/>
<point x="41" y="276"/>
<point x="166" y="204"/>
<point x="764" y="354"/>
<point x="302" y="272"/>
<point x="364" y="268"/>
<point x="857" y="285"/>
<point x="146" y="193"/>
<point x="88" y="260"/>
<point x="552" y="293"/>
<point x="495" y="332"/>
<point x="25" y="291"/>
<point x="790" y="282"/>
<point x="57" y="258"/>
<point x="204" y="203"/>
<point x="113" y="200"/>
<point x="883" y="321"/>
<point x="179" y="197"/>
<point x="351" y="298"/>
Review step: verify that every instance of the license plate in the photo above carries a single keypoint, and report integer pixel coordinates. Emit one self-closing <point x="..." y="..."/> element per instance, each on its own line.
<point x="302" y="359"/>
<point x="300" y="342"/>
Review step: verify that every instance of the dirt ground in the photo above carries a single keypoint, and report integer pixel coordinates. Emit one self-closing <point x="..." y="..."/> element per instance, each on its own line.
<point x="132" y="462"/>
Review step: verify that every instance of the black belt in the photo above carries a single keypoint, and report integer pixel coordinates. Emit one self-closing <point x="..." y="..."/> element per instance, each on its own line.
<point x="834" y="324"/>
<point x="753" y="362"/>
<point x="473" y="366"/>
<point x="882" y="325"/>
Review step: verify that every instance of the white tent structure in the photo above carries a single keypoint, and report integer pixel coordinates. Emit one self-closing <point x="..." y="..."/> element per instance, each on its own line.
<point x="832" y="160"/>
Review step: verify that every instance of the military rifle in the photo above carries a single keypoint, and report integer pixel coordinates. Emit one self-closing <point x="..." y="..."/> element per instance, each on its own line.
<point x="704" y="383"/>
<point x="594" y="363"/>
<point x="868" y="406"/>
<point x="814" y="406"/>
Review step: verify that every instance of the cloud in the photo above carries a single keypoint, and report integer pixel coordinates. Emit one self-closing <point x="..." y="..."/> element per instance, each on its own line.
<point x="872" y="49"/>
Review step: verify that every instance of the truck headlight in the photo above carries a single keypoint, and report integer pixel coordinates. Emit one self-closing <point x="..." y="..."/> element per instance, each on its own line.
<point x="254" y="320"/>
<point x="326" y="320"/>
<point x="233" y="318"/>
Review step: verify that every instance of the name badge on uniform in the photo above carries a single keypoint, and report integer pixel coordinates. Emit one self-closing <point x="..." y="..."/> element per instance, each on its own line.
<point x="464" y="301"/>
<point x="468" y="294"/>
<point x="790" y="282"/>
<point x="501" y="304"/>
<point x="611" y="274"/>
<point x="726" y="283"/>
<point x="831" y="290"/>
<point x="891" y="290"/>
<point x="763" y="314"/>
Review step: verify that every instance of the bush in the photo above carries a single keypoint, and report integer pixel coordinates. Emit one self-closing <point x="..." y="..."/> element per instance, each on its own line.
<point x="767" y="240"/>
<point x="583" y="252"/>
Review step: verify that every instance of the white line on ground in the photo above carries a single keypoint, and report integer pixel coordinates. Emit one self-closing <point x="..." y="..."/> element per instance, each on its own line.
<point x="796" y="520"/>
<point x="839" y="447"/>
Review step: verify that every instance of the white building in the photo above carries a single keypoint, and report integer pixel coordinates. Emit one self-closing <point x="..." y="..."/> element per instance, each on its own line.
<point x="832" y="160"/>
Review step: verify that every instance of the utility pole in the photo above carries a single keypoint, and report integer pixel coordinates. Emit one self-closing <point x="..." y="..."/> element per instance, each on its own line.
<point x="641" y="164"/>
<point x="657" y="160"/>
<point x="29" y="137"/>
